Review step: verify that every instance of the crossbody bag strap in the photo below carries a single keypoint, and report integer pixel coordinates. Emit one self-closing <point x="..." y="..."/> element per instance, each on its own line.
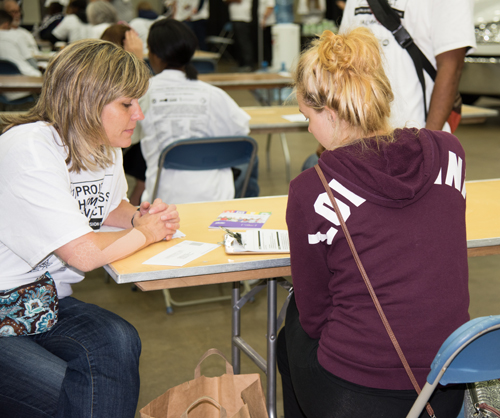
<point x="380" y="311"/>
<point x="391" y="20"/>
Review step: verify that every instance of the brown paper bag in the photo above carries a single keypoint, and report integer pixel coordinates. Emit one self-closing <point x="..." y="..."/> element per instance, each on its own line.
<point x="240" y="396"/>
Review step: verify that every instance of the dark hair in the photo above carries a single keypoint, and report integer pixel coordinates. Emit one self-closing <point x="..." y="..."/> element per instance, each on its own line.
<point x="55" y="8"/>
<point x="5" y="17"/>
<point x="174" y="43"/>
<point x="77" y="7"/>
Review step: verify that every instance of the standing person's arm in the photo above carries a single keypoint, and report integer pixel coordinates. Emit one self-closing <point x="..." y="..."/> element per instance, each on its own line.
<point x="449" y="69"/>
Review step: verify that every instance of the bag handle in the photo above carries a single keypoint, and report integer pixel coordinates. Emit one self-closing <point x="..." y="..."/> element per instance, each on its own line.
<point x="370" y="288"/>
<point x="208" y="399"/>
<point x="229" y="367"/>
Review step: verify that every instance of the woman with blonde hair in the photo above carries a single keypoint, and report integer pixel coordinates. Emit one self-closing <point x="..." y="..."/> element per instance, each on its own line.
<point x="402" y="195"/>
<point x="63" y="184"/>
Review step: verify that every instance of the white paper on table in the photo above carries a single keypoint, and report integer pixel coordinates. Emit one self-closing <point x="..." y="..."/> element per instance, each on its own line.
<point x="181" y="254"/>
<point x="178" y="234"/>
<point x="299" y="117"/>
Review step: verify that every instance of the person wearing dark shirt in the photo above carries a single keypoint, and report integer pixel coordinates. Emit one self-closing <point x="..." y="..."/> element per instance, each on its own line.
<point x="402" y="195"/>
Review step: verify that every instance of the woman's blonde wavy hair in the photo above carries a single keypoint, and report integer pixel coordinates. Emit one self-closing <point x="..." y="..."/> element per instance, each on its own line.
<point x="83" y="78"/>
<point x="345" y="73"/>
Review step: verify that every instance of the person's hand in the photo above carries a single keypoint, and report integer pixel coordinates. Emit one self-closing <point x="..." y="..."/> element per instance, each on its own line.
<point x="168" y="215"/>
<point x="132" y="43"/>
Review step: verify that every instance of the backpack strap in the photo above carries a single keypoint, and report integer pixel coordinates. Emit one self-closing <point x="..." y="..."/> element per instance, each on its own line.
<point x="390" y="19"/>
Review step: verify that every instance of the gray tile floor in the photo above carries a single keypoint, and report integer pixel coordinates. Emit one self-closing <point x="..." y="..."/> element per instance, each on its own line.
<point x="173" y="344"/>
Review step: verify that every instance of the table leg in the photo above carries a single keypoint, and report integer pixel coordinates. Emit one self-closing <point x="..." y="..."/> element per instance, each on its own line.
<point x="286" y="154"/>
<point x="272" y="302"/>
<point x="235" y="327"/>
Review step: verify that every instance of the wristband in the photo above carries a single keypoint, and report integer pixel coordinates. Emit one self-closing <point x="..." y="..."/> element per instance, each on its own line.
<point x="132" y="220"/>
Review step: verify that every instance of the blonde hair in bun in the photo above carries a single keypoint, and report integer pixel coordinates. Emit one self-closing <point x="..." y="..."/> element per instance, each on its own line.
<point x="345" y="73"/>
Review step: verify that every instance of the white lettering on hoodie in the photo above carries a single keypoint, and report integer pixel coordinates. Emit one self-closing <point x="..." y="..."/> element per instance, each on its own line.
<point x="322" y="205"/>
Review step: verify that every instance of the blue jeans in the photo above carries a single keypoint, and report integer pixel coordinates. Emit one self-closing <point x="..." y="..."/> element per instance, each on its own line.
<point x="87" y="365"/>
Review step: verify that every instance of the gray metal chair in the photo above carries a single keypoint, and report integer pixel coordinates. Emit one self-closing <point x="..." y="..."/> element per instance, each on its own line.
<point x="198" y="154"/>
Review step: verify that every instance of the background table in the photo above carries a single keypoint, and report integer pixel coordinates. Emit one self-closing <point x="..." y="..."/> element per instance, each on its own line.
<point x="483" y="217"/>
<point x="225" y="81"/>
<point x="247" y="81"/>
<point x="270" y="120"/>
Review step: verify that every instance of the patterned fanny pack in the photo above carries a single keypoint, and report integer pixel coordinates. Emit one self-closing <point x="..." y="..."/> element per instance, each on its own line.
<point x="29" y="309"/>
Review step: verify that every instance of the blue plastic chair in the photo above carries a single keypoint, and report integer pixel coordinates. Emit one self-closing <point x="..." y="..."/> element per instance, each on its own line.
<point x="204" y="66"/>
<point x="207" y="154"/>
<point x="470" y="354"/>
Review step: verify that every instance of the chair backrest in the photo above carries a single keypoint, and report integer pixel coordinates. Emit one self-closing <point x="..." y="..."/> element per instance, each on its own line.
<point x="8" y="68"/>
<point x="470" y="354"/>
<point x="197" y="154"/>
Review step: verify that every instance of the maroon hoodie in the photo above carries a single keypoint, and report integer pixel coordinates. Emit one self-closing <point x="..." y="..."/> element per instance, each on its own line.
<point x="404" y="206"/>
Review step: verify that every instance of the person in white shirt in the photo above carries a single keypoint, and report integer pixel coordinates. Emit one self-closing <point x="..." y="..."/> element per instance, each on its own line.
<point x="240" y="14"/>
<point x="74" y="26"/>
<point x="24" y="36"/>
<point x="195" y="14"/>
<point x="444" y="31"/>
<point x="178" y="106"/>
<point x="267" y="18"/>
<point x="62" y="185"/>
<point x="14" y="50"/>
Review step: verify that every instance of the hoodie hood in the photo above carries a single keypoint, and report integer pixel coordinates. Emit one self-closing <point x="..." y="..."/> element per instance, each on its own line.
<point x="393" y="174"/>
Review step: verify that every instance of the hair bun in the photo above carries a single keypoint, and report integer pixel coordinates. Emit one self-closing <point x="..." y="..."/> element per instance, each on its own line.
<point x="357" y="51"/>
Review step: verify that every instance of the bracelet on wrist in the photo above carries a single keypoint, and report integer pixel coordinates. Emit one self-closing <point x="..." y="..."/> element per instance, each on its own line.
<point x="132" y="220"/>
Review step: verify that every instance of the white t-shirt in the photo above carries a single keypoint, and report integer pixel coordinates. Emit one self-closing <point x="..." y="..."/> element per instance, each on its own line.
<point x="26" y="37"/>
<point x="184" y="10"/>
<point x="177" y="108"/>
<point x="44" y="206"/>
<point x="263" y="6"/>
<point x="435" y="26"/>
<point x="240" y="12"/>
<point x="71" y="29"/>
<point x="13" y="49"/>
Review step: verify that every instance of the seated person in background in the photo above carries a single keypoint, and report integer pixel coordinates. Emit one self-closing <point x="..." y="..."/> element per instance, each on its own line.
<point x="146" y="16"/>
<point x="53" y="17"/>
<point x="61" y="168"/>
<point x="402" y="195"/>
<point x="74" y="26"/>
<point x="24" y="36"/>
<point x="100" y="15"/>
<point x="126" y="37"/>
<point x="178" y="106"/>
<point x="14" y="50"/>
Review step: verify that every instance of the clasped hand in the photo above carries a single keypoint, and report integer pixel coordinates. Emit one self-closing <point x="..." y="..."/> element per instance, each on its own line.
<point x="158" y="218"/>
